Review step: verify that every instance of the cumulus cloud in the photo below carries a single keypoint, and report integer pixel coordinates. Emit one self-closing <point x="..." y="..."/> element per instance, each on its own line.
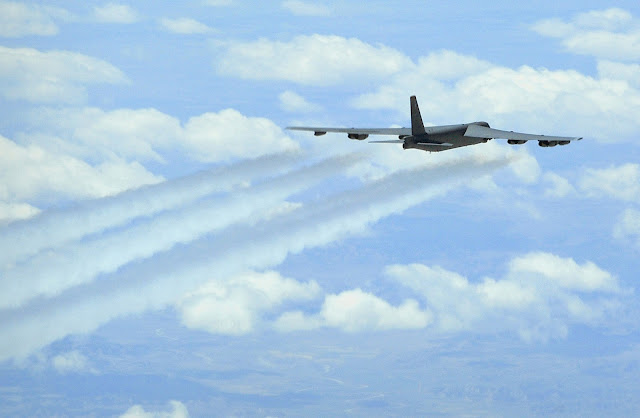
<point x="235" y="306"/>
<point x="310" y="60"/>
<point x="610" y="34"/>
<point x="115" y="13"/>
<point x="357" y="311"/>
<point x="228" y="134"/>
<point x="178" y="410"/>
<point x="628" y="226"/>
<point x="52" y="77"/>
<point x="30" y="172"/>
<point x="302" y="8"/>
<point x="293" y="102"/>
<point x="524" y="99"/>
<point x="150" y="135"/>
<point x="540" y="296"/>
<point x="185" y="26"/>
<point x="619" y="182"/>
<point x="19" y="19"/>
<point x="70" y="362"/>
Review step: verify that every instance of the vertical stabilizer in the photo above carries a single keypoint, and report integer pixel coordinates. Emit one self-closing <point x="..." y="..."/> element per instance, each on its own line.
<point x="417" y="127"/>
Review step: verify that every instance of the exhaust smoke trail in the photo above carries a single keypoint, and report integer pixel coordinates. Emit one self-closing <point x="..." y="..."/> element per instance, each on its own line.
<point x="50" y="272"/>
<point x="159" y="281"/>
<point x="22" y="239"/>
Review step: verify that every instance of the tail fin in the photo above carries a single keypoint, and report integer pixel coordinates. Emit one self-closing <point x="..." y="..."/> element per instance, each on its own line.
<point x="417" y="127"/>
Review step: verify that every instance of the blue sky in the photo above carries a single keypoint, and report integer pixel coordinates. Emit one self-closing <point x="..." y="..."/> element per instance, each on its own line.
<point x="167" y="248"/>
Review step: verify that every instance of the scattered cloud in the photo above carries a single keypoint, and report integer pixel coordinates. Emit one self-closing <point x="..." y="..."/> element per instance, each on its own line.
<point x="115" y="13"/>
<point x="559" y="186"/>
<point x="294" y="103"/>
<point x="303" y="8"/>
<point x="235" y="306"/>
<point x="628" y="226"/>
<point x="357" y="311"/>
<point x="524" y="99"/>
<point x="609" y="34"/>
<point x="310" y="60"/>
<point x="185" y="26"/>
<point x="31" y="172"/>
<point x="52" y="77"/>
<point x="619" y="182"/>
<point x="15" y="211"/>
<point x="159" y="281"/>
<point x="540" y="296"/>
<point x="619" y="71"/>
<point x="178" y="410"/>
<point x="228" y="134"/>
<point x="19" y="19"/>
<point x="70" y="362"/>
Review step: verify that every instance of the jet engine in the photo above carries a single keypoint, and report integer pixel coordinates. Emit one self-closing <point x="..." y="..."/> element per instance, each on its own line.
<point x="547" y="143"/>
<point x="359" y="137"/>
<point x="516" y="141"/>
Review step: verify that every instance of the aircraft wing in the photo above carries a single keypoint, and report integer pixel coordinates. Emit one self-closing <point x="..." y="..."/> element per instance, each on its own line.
<point x="478" y="131"/>
<point x="355" y="131"/>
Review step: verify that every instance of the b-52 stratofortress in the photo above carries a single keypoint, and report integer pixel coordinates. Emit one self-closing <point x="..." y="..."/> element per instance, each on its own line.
<point x="441" y="138"/>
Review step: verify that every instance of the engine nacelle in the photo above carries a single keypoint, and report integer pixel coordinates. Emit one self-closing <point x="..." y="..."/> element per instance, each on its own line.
<point x="564" y="142"/>
<point x="516" y="141"/>
<point x="359" y="137"/>
<point x="319" y="133"/>
<point x="547" y="143"/>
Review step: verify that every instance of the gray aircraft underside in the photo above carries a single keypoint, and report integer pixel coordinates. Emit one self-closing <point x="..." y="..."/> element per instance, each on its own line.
<point x="441" y="138"/>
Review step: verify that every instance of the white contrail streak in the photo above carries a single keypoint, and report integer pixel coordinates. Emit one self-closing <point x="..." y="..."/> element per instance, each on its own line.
<point x="161" y="280"/>
<point x="49" y="229"/>
<point x="50" y="272"/>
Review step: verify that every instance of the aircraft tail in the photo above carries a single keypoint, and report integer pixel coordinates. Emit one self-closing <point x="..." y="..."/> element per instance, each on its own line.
<point x="417" y="127"/>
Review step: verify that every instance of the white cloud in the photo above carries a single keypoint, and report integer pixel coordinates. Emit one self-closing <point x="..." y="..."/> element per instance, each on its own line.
<point x="185" y="26"/>
<point x="14" y="211"/>
<point x="559" y="186"/>
<point x="51" y="272"/>
<point x="53" y="229"/>
<point x="71" y="362"/>
<point x="564" y="272"/>
<point x="32" y="172"/>
<point x="178" y="410"/>
<point x="303" y="8"/>
<point x="228" y="134"/>
<point x="620" y="182"/>
<point x="357" y="311"/>
<point x="540" y="296"/>
<point x="115" y="13"/>
<point x="524" y="99"/>
<point x="51" y="77"/>
<point x="148" y="134"/>
<point x="19" y="19"/>
<point x="293" y="102"/>
<point x="236" y="306"/>
<point x="160" y="281"/>
<point x="619" y="71"/>
<point x="611" y="34"/>
<point x="628" y="226"/>
<point x="311" y="60"/>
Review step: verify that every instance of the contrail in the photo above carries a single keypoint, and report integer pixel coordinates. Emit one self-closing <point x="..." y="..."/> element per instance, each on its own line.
<point x="50" y="272"/>
<point x="154" y="283"/>
<point x="49" y="229"/>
